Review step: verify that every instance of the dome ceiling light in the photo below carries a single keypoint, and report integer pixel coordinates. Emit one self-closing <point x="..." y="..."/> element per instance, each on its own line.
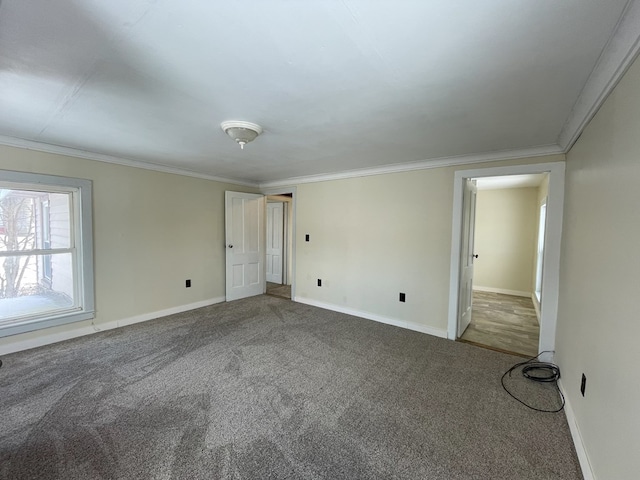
<point x="241" y="132"/>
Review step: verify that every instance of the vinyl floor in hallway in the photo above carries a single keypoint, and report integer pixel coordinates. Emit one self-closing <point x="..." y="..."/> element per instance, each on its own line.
<point x="503" y="322"/>
<point x="278" y="290"/>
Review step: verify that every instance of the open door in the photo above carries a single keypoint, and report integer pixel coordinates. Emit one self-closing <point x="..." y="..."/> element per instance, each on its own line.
<point x="467" y="256"/>
<point x="245" y="258"/>
<point x="275" y="241"/>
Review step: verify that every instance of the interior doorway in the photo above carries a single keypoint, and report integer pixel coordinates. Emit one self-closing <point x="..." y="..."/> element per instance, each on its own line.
<point x="550" y="256"/>
<point x="280" y="242"/>
<point x="246" y="244"/>
<point x="279" y="245"/>
<point x="500" y="284"/>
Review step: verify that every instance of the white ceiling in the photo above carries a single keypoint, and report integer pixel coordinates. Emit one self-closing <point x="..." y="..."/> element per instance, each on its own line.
<point x="336" y="85"/>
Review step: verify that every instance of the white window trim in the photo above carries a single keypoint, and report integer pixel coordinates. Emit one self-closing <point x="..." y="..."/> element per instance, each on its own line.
<point x="83" y="223"/>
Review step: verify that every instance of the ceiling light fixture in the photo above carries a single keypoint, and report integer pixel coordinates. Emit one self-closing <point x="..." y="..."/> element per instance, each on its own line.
<point x="241" y="132"/>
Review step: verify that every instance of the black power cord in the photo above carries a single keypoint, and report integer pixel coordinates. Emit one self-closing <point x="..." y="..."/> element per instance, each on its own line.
<point x="542" y="372"/>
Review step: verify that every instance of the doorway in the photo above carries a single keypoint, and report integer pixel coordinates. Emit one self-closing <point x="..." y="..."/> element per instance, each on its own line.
<point x="279" y="245"/>
<point x="504" y="244"/>
<point x="246" y="232"/>
<point x="281" y="286"/>
<point x="551" y="256"/>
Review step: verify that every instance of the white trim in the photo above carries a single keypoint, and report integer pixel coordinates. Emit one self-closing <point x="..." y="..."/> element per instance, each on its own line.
<point x="436" y="332"/>
<point x="581" y="451"/>
<point x="504" y="291"/>
<point x="553" y="235"/>
<point x="616" y="57"/>
<point x="539" y="151"/>
<point x="50" y="338"/>
<point x="127" y="162"/>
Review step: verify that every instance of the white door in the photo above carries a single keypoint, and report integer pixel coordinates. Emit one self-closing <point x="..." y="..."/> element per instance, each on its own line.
<point x="275" y="241"/>
<point x="244" y="227"/>
<point x="467" y="256"/>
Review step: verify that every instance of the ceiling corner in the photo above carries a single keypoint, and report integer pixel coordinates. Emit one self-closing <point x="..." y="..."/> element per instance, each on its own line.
<point x="616" y="57"/>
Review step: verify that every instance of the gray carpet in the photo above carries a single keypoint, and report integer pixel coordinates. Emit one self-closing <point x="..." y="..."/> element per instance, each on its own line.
<point x="268" y="388"/>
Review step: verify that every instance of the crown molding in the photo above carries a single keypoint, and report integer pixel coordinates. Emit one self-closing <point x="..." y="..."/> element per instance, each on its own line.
<point x="538" y="151"/>
<point x="127" y="162"/>
<point x="616" y="57"/>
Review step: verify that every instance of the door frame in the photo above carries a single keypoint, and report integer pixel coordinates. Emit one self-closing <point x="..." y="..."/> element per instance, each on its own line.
<point x="551" y="257"/>
<point x="294" y="199"/>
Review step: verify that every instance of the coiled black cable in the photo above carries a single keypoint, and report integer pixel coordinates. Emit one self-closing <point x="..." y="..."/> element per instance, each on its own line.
<point x="543" y="372"/>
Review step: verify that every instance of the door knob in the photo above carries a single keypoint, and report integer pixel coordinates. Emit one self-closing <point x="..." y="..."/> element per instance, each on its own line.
<point x="475" y="256"/>
<point x="230" y="246"/>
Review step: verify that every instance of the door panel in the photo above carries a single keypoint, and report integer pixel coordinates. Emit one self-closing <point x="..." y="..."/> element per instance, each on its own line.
<point x="244" y="226"/>
<point x="275" y="241"/>
<point x="467" y="258"/>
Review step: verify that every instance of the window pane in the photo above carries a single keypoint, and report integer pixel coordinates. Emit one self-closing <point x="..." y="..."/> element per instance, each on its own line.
<point x="34" y="220"/>
<point x="35" y="284"/>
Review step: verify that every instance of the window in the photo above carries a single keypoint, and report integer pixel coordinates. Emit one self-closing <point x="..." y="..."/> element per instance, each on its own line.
<point x="46" y="251"/>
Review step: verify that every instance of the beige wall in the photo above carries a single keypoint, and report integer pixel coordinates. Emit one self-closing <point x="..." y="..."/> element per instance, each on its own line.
<point x="505" y="239"/>
<point x="152" y="231"/>
<point x="374" y="237"/>
<point x="598" y="322"/>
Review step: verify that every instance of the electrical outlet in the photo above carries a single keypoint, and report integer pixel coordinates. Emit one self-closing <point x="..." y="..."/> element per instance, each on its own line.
<point x="187" y="284"/>
<point x="319" y="282"/>
<point x="306" y="237"/>
<point x="403" y="297"/>
<point x="583" y="384"/>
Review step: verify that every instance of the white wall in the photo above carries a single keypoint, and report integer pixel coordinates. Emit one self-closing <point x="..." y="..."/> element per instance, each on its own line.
<point x="152" y="231"/>
<point x="505" y="239"/>
<point x="374" y="237"/>
<point x="599" y="318"/>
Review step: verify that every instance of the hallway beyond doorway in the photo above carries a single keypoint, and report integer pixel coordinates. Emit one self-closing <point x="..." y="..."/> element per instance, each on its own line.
<point x="278" y="290"/>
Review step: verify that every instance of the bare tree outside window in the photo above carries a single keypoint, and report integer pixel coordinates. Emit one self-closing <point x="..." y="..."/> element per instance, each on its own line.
<point x="17" y="234"/>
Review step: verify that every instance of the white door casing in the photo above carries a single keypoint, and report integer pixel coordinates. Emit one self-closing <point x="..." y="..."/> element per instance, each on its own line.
<point x="275" y="242"/>
<point x="244" y="231"/>
<point x="551" y="258"/>
<point x="465" y="297"/>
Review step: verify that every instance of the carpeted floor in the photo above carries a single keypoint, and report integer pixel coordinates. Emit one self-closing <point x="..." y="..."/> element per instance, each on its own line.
<point x="268" y="388"/>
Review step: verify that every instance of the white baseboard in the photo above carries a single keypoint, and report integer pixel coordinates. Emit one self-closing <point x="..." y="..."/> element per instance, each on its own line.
<point x="581" y="451"/>
<point x="504" y="291"/>
<point x="536" y="306"/>
<point x="49" y="338"/>
<point x="436" y="332"/>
